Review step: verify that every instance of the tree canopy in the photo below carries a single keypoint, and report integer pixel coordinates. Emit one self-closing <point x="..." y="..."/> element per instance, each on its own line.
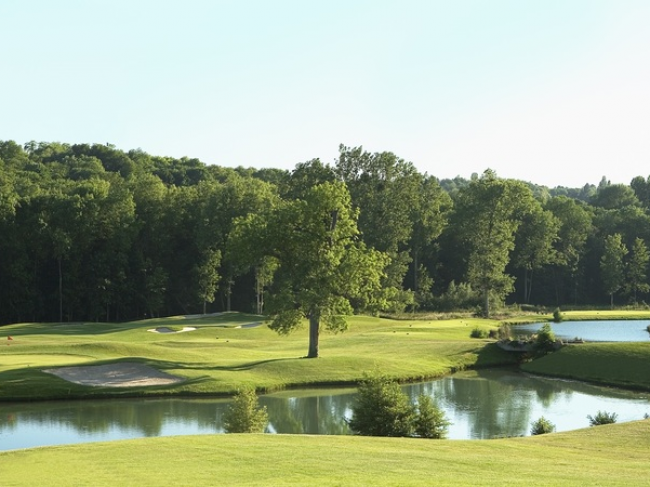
<point x="91" y="232"/>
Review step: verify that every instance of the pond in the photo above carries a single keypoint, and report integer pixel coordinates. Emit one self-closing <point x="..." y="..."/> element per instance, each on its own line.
<point x="594" y="331"/>
<point x="481" y="404"/>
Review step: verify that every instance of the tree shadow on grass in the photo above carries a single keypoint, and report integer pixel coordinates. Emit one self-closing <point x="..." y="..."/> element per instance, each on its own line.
<point x="493" y="356"/>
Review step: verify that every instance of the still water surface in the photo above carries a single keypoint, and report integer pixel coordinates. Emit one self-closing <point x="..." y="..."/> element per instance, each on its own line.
<point x="594" y="331"/>
<point x="481" y="404"/>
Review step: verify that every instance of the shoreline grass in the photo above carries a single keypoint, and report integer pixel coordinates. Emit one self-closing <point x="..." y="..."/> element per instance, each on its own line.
<point x="220" y="356"/>
<point x="604" y="455"/>
<point x="624" y="365"/>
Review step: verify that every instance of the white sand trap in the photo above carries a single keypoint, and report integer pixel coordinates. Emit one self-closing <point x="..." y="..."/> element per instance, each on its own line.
<point x="164" y="329"/>
<point x="251" y="325"/>
<point x="115" y="375"/>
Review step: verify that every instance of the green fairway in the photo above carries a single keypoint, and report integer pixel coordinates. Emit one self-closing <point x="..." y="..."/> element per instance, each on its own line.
<point x="222" y="354"/>
<point x="604" y="455"/>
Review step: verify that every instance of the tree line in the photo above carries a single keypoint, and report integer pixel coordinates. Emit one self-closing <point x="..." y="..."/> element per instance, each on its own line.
<point x="89" y="232"/>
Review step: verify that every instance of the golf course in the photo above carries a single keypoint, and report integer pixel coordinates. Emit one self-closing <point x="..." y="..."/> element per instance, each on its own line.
<point x="213" y="355"/>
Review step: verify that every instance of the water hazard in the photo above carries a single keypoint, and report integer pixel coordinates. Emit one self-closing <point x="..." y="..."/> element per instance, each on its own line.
<point x="481" y="404"/>
<point x="594" y="331"/>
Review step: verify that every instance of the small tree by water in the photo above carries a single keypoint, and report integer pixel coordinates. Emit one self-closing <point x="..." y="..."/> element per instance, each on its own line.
<point x="602" y="417"/>
<point x="382" y="409"/>
<point x="430" y="420"/>
<point x="541" y="426"/>
<point x="545" y="341"/>
<point x="245" y="415"/>
<point x="557" y="315"/>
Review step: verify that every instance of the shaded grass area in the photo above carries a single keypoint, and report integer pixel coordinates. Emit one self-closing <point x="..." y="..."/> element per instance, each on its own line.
<point x="616" y="364"/>
<point x="605" y="455"/>
<point x="220" y="356"/>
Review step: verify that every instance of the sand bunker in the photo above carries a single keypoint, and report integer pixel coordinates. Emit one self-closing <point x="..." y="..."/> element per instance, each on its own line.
<point x="251" y="325"/>
<point x="115" y="375"/>
<point x="164" y="329"/>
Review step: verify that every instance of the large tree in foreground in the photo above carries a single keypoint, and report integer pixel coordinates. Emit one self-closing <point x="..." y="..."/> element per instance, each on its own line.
<point x="322" y="267"/>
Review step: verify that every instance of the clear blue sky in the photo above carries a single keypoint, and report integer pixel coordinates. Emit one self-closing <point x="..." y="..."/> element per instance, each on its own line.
<point x="556" y="92"/>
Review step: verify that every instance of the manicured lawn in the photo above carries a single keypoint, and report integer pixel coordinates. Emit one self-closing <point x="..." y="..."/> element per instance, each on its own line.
<point x="607" y="315"/>
<point x="219" y="357"/>
<point x="604" y="455"/>
<point x="617" y="364"/>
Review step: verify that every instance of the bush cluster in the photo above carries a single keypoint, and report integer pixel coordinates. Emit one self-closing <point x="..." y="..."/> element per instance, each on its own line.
<point x="478" y="333"/>
<point x="382" y="409"/>
<point x="602" y="417"/>
<point x="541" y="426"/>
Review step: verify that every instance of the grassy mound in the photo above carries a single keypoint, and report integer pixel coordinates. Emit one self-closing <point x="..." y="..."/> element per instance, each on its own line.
<point x="605" y="455"/>
<point x="616" y="364"/>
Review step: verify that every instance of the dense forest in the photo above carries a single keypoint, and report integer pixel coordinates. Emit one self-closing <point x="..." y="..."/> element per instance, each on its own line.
<point x="93" y="233"/>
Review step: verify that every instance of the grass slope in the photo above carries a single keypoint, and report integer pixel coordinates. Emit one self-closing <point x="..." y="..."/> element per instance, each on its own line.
<point x="605" y="455"/>
<point x="617" y="364"/>
<point x="221" y="356"/>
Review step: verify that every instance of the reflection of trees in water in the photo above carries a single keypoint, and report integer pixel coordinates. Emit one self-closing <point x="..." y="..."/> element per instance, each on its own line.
<point x="144" y="416"/>
<point x="493" y="402"/>
<point x="311" y="415"/>
<point x="314" y="415"/>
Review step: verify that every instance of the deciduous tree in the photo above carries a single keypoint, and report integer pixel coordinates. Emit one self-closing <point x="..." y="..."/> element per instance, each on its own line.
<point x="488" y="212"/>
<point x="322" y="266"/>
<point x="612" y="266"/>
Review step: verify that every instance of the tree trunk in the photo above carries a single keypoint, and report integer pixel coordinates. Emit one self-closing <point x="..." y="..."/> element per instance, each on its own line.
<point x="259" y="292"/>
<point x="415" y="270"/>
<point x="314" y="330"/>
<point x="525" y="285"/>
<point x="60" y="290"/>
<point x="530" y="286"/>
<point x="486" y="304"/>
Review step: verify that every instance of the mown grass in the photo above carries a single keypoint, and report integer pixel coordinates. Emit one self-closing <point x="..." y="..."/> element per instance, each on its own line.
<point x="604" y="455"/>
<point x="220" y="356"/>
<point x="616" y="364"/>
<point x="606" y="315"/>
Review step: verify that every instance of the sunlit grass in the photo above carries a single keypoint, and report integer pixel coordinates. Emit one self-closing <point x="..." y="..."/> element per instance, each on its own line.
<point x="604" y="455"/>
<point x="220" y="356"/>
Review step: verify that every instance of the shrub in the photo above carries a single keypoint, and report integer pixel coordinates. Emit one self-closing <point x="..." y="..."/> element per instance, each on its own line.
<point x="545" y="341"/>
<point x="430" y="421"/>
<point x="478" y="333"/>
<point x="557" y="315"/>
<point x="381" y="409"/>
<point x="602" y="417"/>
<point x="245" y="415"/>
<point x="458" y="296"/>
<point x="504" y="332"/>
<point x="541" y="426"/>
